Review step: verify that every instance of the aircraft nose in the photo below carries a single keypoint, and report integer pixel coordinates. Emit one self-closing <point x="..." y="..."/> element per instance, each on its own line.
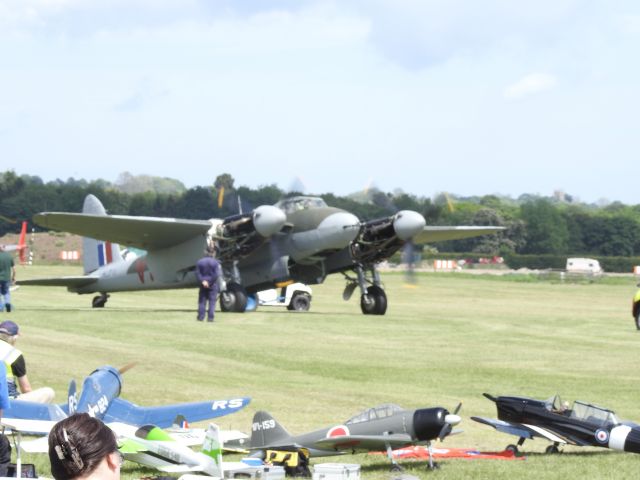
<point x="408" y="224"/>
<point x="339" y="229"/>
<point x="268" y="220"/>
<point x="428" y="422"/>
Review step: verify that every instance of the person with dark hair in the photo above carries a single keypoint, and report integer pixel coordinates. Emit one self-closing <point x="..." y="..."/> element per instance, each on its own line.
<point x="83" y="447"/>
<point x="208" y="273"/>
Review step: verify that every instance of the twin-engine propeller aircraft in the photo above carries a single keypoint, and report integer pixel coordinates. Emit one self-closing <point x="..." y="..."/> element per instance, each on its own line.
<point x="100" y="398"/>
<point x="582" y="424"/>
<point x="385" y="427"/>
<point x="300" y="239"/>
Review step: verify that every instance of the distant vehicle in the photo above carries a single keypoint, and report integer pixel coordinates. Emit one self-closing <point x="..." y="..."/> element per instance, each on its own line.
<point x="635" y="310"/>
<point x="582" y="425"/>
<point x="585" y="266"/>
<point x="296" y="296"/>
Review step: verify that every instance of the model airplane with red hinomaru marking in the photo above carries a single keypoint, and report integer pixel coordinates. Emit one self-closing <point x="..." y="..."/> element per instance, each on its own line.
<point x="385" y="427"/>
<point x="300" y="239"/>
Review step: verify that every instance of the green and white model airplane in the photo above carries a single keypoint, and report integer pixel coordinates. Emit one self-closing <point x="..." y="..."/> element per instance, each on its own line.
<point x="300" y="239"/>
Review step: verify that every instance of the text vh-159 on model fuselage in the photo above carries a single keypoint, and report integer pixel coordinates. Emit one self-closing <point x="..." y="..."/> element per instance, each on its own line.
<point x="583" y="424"/>
<point x="300" y="239"/>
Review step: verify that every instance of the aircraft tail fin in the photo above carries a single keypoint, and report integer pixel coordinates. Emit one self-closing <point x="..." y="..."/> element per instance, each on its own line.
<point x="267" y="432"/>
<point x="212" y="447"/>
<point x="22" y="243"/>
<point x="72" y="397"/>
<point x="97" y="253"/>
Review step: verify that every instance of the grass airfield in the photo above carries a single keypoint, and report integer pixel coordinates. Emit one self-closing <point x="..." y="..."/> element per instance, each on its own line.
<point x="448" y="339"/>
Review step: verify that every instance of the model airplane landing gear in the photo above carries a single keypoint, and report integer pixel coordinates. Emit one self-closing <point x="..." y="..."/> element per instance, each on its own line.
<point x="99" y="300"/>
<point x="234" y="298"/>
<point x="552" y="449"/>
<point x="514" y="448"/>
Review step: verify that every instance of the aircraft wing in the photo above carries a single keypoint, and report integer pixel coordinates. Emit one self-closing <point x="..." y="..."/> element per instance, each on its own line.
<point x="147" y="233"/>
<point x="163" y="416"/>
<point x="68" y="281"/>
<point x="520" y="429"/>
<point x="32" y="427"/>
<point x="434" y="233"/>
<point x="363" y="442"/>
<point x="22" y="409"/>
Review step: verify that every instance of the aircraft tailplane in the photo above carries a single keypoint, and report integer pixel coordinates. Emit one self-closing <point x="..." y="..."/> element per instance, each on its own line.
<point x="97" y="253"/>
<point x="267" y="432"/>
<point x="212" y="447"/>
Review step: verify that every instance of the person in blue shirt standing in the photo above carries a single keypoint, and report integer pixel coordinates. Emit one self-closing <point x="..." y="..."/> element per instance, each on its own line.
<point x="207" y="271"/>
<point x="5" y="446"/>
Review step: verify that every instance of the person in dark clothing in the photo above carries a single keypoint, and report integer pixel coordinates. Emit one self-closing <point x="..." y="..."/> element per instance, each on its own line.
<point x="208" y="271"/>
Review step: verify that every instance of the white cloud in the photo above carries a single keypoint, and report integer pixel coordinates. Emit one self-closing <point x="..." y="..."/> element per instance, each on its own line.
<point x="530" y="85"/>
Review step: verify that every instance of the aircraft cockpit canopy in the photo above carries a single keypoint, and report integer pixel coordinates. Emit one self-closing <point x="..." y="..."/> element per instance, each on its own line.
<point x="593" y="414"/>
<point x="375" y="413"/>
<point x="294" y="204"/>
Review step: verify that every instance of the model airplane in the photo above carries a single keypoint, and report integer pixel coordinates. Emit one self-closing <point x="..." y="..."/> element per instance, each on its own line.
<point x="553" y="420"/>
<point x="300" y="239"/>
<point x="100" y="398"/>
<point x="385" y="427"/>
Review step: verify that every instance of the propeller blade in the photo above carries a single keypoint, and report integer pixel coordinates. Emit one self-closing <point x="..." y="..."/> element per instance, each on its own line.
<point x="127" y="367"/>
<point x="458" y="408"/>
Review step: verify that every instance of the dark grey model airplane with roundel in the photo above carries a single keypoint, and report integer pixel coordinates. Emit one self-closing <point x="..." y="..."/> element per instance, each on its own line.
<point x="300" y="239"/>
<point x="385" y="427"/>
<point x="582" y="424"/>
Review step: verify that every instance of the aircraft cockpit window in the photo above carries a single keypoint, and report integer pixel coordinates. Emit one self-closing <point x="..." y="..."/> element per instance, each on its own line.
<point x="374" y="413"/>
<point x="592" y="414"/>
<point x="294" y="204"/>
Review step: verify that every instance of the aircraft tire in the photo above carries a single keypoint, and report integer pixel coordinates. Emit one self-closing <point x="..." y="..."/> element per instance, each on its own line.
<point x="99" y="300"/>
<point x="638" y="320"/>
<point x="551" y="449"/>
<point x="374" y="302"/>
<point x="234" y="299"/>
<point x="300" y="302"/>
<point x="512" y="448"/>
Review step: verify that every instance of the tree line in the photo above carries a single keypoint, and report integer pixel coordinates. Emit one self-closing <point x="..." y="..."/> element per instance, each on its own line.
<point x="534" y="225"/>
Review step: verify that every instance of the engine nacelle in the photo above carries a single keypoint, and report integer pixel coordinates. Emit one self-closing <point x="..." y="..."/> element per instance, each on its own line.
<point x="268" y="220"/>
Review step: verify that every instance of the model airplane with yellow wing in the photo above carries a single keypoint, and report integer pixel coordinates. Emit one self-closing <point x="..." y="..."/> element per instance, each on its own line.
<point x="300" y="239"/>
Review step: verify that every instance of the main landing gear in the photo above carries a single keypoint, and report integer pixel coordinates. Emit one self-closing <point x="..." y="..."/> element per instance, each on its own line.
<point x="234" y="298"/>
<point x="373" y="300"/>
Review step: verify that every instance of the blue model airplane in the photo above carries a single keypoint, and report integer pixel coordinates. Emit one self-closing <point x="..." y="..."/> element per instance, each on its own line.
<point x="100" y="398"/>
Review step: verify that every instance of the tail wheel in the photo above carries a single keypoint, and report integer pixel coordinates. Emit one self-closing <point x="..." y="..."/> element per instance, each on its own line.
<point x="638" y="320"/>
<point x="234" y="298"/>
<point x="99" y="300"/>
<point x="300" y="302"/>
<point x="374" y="302"/>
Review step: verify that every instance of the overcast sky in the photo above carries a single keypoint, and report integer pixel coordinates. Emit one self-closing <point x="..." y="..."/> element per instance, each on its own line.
<point x="463" y="96"/>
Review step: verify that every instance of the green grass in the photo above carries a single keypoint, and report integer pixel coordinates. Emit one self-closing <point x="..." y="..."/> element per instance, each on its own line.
<point x="450" y="339"/>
